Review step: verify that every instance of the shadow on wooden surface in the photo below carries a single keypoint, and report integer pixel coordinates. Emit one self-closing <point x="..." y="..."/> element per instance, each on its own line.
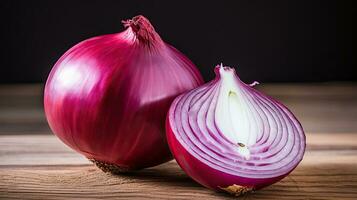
<point x="41" y="167"/>
<point x="168" y="181"/>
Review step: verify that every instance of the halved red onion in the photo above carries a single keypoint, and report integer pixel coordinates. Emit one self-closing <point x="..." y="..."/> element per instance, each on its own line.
<point x="228" y="136"/>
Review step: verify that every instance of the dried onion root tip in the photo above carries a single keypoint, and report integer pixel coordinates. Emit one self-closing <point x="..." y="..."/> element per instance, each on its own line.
<point x="109" y="168"/>
<point x="237" y="190"/>
<point x="228" y="136"/>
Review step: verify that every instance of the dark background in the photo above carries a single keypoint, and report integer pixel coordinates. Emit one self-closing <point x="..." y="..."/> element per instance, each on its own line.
<point x="267" y="41"/>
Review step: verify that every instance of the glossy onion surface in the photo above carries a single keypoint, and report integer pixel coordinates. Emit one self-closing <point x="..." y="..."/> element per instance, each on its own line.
<point x="107" y="97"/>
<point x="228" y="136"/>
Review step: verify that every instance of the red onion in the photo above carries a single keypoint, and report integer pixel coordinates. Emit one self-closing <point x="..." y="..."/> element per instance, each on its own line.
<point x="228" y="136"/>
<point x="107" y="97"/>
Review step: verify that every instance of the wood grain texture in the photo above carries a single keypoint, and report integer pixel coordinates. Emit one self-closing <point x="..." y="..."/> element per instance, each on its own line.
<point x="34" y="164"/>
<point x="167" y="182"/>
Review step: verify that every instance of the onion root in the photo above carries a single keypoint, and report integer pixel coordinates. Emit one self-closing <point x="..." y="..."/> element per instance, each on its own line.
<point x="237" y="190"/>
<point x="108" y="167"/>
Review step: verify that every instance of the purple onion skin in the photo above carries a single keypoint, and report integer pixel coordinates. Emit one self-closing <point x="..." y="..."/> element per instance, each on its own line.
<point x="207" y="176"/>
<point x="107" y="97"/>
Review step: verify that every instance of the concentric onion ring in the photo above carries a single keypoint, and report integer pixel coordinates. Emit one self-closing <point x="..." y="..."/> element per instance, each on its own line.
<point x="227" y="135"/>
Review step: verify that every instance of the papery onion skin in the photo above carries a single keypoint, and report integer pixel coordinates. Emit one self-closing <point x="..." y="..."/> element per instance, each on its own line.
<point x="187" y="149"/>
<point x="107" y="97"/>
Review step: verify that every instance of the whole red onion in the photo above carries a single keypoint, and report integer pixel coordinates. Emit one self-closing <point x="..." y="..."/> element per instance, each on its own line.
<point x="107" y="97"/>
<point x="228" y="136"/>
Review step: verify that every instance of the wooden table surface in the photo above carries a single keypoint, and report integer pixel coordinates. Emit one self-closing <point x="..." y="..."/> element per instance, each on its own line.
<point x="34" y="164"/>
